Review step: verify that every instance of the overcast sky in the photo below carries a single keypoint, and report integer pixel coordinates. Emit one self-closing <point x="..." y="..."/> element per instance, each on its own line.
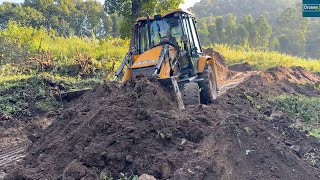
<point x="187" y="4"/>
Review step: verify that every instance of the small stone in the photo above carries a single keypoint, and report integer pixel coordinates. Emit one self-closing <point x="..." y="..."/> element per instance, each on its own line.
<point x="165" y="170"/>
<point x="41" y="157"/>
<point x="296" y="149"/>
<point x="129" y="129"/>
<point x="287" y="143"/>
<point x="180" y="148"/>
<point x="277" y="114"/>
<point x="129" y="159"/>
<point x="146" y="177"/>
<point x="183" y="141"/>
<point x="268" y="118"/>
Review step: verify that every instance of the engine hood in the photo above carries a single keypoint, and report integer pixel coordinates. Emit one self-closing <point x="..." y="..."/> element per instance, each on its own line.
<point x="148" y="58"/>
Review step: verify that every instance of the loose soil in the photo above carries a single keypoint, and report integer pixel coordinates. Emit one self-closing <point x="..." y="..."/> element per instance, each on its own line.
<point x="136" y="128"/>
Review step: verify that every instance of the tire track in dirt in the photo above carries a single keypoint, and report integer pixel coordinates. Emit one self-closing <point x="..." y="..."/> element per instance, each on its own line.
<point x="11" y="155"/>
<point x="236" y="80"/>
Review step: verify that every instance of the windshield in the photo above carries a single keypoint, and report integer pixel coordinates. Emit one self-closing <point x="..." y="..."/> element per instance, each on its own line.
<point x="166" y="28"/>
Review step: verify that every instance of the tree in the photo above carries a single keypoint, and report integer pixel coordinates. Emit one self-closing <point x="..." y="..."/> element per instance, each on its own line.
<point x="203" y="32"/>
<point x="285" y="43"/>
<point x="115" y="25"/>
<point x="248" y="23"/>
<point x="274" y="44"/>
<point x="131" y="9"/>
<point x="313" y="40"/>
<point x="220" y="29"/>
<point x="231" y="29"/>
<point x="24" y="15"/>
<point x="212" y="33"/>
<point x="264" y="31"/>
<point x="243" y="36"/>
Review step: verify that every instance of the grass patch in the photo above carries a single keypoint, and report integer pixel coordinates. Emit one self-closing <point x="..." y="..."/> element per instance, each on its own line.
<point x="263" y="60"/>
<point x="22" y="95"/>
<point x="306" y="110"/>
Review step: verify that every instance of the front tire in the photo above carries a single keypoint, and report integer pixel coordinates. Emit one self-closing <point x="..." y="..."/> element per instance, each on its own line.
<point x="208" y="86"/>
<point x="191" y="95"/>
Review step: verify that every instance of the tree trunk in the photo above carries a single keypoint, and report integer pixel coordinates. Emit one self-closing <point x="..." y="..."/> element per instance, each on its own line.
<point x="136" y="8"/>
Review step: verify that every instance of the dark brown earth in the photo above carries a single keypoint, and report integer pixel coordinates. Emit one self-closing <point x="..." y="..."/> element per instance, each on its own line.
<point x="242" y="67"/>
<point x="136" y="128"/>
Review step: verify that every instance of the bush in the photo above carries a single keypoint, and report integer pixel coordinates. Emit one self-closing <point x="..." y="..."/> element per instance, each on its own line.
<point x="41" y="50"/>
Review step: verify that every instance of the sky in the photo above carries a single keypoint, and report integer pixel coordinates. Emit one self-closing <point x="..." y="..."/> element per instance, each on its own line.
<point x="187" y="3"/>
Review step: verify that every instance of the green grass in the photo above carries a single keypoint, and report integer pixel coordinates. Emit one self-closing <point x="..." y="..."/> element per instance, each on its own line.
<point x="91" y="55"/>
<point x="263" y="60"/>
<point x="306" y="110"/>
<point x="71" y="63"/>
<point x="20" y="95"/>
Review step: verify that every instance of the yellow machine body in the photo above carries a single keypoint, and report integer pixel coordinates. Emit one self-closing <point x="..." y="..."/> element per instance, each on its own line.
<point x="167" y="47"/>
<point x="148" y="58"/>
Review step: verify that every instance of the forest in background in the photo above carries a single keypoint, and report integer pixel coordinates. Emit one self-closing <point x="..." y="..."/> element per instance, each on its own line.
<point x="273" y="25"/>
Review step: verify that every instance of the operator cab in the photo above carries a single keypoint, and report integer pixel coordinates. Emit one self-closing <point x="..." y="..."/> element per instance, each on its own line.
<point x="177" y="29"/>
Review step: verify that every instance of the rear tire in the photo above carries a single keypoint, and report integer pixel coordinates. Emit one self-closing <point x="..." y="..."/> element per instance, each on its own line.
<point x="191" y="94"/>
<point x="209" y="86"/>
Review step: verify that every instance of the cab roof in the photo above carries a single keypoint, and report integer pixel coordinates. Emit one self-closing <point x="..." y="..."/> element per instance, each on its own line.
<point x="164" y="15"/>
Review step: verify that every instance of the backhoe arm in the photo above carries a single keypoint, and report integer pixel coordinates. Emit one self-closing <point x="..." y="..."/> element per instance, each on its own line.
<point x="126" y="59"/>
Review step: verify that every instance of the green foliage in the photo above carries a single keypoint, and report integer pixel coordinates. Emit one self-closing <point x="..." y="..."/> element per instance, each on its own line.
<point x="270" y="8"/>
<point x="247" y="33"/>
<point x="305" y="109"/>
<point x="132" y="9"/>
<point x="19" y="95"/>
<point x="263" y="60"/>
<point x="278" y="26"/>
<point x="35" y="64"/>
<point x="231" y="29"/>
<point x="263" y="32"/>
<point x="81" y="18"/>
<point x="35" y="48"/>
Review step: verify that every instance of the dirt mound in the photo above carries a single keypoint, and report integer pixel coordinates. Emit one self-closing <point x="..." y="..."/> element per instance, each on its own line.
<point x="242" y="67"/>
<point x="136" y="128"/>
<point x="294" y="74"/>
<point x="222" y="68"/>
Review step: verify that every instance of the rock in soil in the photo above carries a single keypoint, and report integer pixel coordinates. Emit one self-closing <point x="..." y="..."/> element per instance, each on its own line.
<point x="146" y="177"/>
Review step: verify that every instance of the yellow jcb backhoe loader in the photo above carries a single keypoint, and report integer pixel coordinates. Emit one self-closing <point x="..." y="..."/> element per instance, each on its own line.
<point x="167" y="47"/>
